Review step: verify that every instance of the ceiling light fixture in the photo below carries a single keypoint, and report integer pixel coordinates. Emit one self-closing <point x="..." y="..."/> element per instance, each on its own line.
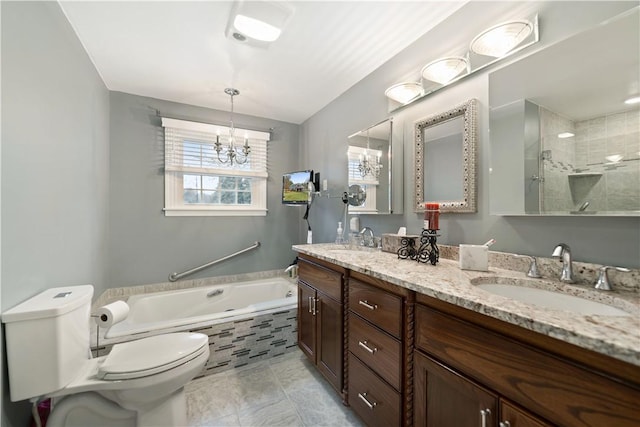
<point x="231" y="152"/>
<point x="500" y="39"/>
<point x="404" y="92"/>
<point x="633" y="100"/>
<point x="444" y="70"/>
<point x="258" y="21"/>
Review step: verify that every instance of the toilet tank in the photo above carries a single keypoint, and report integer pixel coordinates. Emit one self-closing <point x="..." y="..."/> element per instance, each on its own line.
<point x="47" y="340"/>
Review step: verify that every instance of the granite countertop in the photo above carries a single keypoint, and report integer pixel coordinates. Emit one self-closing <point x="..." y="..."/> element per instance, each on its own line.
<point x="615" y="336"/>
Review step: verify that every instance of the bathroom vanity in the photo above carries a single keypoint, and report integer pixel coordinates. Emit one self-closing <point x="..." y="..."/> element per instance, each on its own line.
<point x="423" y="345"/>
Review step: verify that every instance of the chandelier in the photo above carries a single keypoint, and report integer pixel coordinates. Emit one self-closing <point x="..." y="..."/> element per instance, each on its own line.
<point x="230" y="152"/>
<point x="369" y="165"/>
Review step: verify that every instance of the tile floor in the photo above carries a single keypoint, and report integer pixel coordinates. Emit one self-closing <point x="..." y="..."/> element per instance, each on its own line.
<point x="283" y="391"/>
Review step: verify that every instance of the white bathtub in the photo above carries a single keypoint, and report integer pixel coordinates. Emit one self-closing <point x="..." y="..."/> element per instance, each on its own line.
<point x="169" y="311"/>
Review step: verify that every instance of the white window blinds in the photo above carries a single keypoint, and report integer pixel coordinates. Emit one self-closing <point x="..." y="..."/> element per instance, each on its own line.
<point x="189" y="148"/>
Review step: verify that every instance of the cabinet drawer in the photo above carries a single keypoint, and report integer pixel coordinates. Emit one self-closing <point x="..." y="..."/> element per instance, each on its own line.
<point x="323" y="279"/>
<point x="379" y="307"/>
<point x="371" y="398"/>
<point x="378" y="350"/>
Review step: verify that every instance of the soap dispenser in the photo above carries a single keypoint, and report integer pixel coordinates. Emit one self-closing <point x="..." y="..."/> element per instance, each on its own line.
<point x="339" y="238"/>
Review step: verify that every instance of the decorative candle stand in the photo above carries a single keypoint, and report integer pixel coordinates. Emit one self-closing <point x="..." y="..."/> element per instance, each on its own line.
<point x="428" y="251"/>
<point x="407" y="248"/>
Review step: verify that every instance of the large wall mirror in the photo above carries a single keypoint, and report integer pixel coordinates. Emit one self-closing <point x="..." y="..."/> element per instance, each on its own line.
<point x="371" y="153"/>
<point x="563" y="140"/>
<point x="445" y="159"/>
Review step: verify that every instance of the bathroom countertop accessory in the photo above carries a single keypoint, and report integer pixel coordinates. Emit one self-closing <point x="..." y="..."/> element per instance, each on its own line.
<point x="428" y="251"/>
<point x="474" y="257"/>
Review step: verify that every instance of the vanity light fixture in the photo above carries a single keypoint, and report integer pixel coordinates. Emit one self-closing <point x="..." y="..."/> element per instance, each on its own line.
<point x="633" y="100"/>
<point x="500" y="39"/>
<point x="404" y="92"/>
<point x="444" y="70"/>
<point x="565" y="135"/>
<point x="486" y="49"/>
<point x="258" y="21"/>
<point x="233" y="154"/>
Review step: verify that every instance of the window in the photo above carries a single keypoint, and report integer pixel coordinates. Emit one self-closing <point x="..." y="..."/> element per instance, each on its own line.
<point x="198" y="184"/>
<point x="368" y="182"/>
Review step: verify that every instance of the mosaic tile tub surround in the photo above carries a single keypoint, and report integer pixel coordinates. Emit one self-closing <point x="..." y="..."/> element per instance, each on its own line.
<point x="237" y="343"/>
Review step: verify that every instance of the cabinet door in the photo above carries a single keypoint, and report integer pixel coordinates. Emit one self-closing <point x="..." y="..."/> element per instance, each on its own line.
<point x="329" y="341"/>
<point x="513" y="416"/>
<point x="306" y="321"/>
<point x="444" y="398"/>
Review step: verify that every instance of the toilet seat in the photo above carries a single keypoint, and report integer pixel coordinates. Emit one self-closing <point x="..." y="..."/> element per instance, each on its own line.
<point x="152" y="355"/>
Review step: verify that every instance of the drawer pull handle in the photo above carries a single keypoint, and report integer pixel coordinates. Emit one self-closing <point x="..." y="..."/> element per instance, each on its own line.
<point x="310" y="305"/>
<point x="505" y="424"/>
<point x="484" y="413"/>
<point x="366" y="304"/>
<point x="363" y="397"/>
<point x="364" y="345"/>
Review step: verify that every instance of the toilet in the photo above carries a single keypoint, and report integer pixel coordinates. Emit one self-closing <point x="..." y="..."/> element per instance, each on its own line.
<point x="139" y="383"/>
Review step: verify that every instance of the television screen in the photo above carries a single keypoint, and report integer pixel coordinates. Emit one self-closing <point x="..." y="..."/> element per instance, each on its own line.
<point x="295" y="187"/>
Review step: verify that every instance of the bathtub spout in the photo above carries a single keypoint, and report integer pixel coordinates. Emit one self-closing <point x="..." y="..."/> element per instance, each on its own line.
<point x="214" y="292"/>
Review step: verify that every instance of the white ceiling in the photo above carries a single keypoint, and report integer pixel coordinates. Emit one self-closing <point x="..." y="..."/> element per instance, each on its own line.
<point x="178" y="51"/>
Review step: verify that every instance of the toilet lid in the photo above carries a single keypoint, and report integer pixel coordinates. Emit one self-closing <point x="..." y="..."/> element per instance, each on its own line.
<point x="151" y="355"/>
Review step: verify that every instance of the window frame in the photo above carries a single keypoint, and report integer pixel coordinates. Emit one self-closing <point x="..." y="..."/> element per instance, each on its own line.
<point x="174" y="204"/>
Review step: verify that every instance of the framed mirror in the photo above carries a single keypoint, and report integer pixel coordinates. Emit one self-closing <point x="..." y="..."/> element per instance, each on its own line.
<point x="370" y="167"/>
<point x="445" y="160"/>
<point x="563" y="140"/>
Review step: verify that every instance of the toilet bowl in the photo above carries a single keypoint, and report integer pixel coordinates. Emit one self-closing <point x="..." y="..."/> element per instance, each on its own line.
<point x="139" y="383"/>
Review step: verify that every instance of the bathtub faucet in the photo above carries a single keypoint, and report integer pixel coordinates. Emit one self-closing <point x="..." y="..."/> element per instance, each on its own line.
<point x="214" y="292"/>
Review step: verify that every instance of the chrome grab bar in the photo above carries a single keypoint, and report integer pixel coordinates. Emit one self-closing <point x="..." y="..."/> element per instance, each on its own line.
<point x="176" y="276"/>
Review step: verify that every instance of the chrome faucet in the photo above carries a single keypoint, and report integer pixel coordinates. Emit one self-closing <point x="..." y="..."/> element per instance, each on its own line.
<point x="563" y="251"/>
<point x="366" y="242"/>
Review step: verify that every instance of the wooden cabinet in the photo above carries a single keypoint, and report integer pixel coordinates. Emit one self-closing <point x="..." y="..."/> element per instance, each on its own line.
<point x="445" y="398"/>
<point x="534" y="386"/>
<point x="379" y="343"/>
<point x="321" y="317"/>
<point x="512" y="416"/>
<point x="406" y="359"/>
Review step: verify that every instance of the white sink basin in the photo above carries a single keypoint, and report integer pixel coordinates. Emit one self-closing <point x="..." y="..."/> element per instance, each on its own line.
<point x="551" y="299"/>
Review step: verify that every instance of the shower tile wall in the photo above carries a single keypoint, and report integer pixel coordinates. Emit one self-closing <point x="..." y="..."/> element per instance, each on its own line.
<point x="556" y="194"/>
<point x="579" y="170"/>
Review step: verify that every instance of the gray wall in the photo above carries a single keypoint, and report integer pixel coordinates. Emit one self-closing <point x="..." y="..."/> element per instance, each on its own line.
<point x="55" y="161"/>
<point x="145" y="246"/>
<point x="599" y="240"/>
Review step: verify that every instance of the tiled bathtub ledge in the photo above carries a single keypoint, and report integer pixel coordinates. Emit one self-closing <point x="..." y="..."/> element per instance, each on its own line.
<point x="618" y="337"/>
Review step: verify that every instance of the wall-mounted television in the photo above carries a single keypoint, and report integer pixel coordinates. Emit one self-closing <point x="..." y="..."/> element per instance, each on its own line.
<point x="297" y="187"/>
